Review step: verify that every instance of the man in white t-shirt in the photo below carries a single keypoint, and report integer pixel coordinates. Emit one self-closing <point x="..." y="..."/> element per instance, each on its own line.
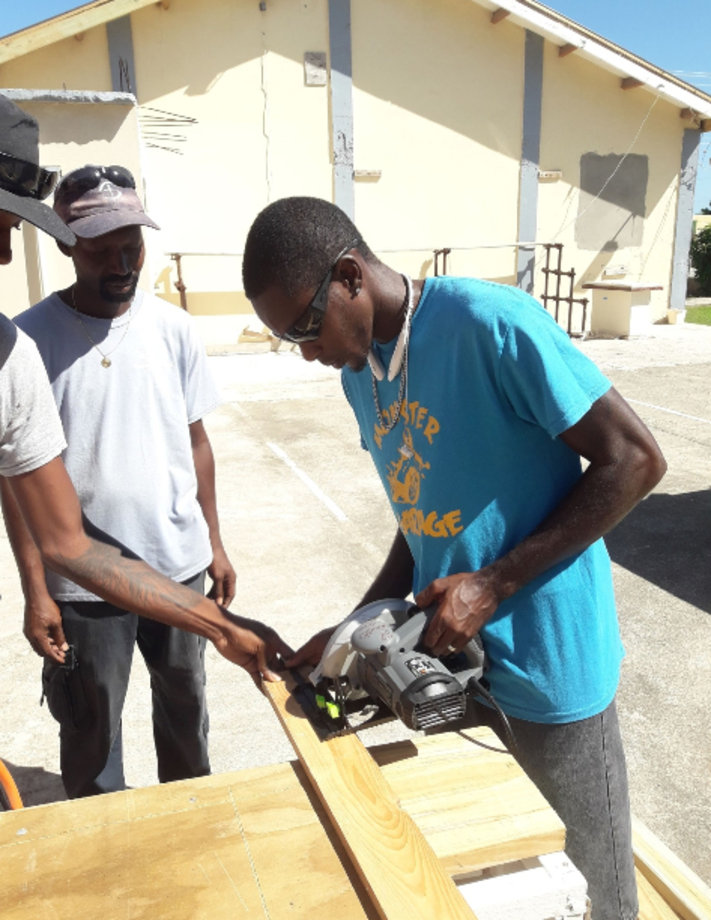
<point x="40" y="504"/>
<point x="132" y="385"/>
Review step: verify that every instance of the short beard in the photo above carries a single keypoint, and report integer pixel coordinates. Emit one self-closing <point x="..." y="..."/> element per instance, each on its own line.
<point x="109" y="297"/>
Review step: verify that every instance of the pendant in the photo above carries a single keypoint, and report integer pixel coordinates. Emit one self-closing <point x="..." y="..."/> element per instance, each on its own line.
<point x="106" y="362"/>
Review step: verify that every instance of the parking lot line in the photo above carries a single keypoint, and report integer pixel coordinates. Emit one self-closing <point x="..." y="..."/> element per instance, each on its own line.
<point x="331" y="505"/>
<point x="695" y="418"/>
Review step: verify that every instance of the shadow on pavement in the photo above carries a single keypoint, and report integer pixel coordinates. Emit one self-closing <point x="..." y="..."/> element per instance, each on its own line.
<point x="36" y="785"/>
<point x="666" y="540"/>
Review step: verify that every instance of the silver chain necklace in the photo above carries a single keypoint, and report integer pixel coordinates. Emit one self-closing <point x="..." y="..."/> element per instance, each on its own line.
<point x="105" y="359"/>
<point x="405" y="338"/>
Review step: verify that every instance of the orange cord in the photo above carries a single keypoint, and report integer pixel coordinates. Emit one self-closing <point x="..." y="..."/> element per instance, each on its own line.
<point x="9" y="787"/>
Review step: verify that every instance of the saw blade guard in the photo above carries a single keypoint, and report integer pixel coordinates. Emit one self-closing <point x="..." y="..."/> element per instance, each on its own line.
<point x="339" y="659"/>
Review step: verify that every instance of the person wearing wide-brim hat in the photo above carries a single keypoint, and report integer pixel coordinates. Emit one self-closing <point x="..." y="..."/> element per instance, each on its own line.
<point x="34" y="482"/>
<point x="23" y="182"/>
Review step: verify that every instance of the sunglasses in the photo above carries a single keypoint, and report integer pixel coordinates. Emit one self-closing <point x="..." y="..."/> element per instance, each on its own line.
<point x="82" y="180"/>
<point x="27" y="179"/>
<point x="307" y="327"/>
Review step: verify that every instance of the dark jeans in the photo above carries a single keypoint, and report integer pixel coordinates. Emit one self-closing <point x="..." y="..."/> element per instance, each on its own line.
<point x="580" y="769"/>
<point x="88" y="701"/>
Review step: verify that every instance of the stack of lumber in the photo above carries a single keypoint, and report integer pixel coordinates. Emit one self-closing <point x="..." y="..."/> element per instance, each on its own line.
<point x="397" y="832"/>
<point x="260" y="844"/>
<point x="668" y="889"/>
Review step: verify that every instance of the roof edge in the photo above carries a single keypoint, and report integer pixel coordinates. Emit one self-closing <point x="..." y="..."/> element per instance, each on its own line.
<point x="566" y="32"/>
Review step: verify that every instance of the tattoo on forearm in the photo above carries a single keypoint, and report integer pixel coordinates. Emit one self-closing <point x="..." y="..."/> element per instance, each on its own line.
<point x="130" y="584"/>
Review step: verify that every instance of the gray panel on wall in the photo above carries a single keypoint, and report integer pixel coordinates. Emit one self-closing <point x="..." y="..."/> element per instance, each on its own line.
<point x="123" y="72"/>
<point x="612" y="202"/>
<point x="339" y="20"/>
<point x="684" y="218"/>
<point x="530" y="158"/>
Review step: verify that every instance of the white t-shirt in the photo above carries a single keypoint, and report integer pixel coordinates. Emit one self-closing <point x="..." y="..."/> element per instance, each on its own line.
<point x="30" y="430"/>
<point x="129" y="453"/>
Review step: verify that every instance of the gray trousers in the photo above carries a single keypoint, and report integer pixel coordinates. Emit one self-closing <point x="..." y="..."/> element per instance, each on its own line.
<point x="88" y="699"/>
<point x="580" y="769"/>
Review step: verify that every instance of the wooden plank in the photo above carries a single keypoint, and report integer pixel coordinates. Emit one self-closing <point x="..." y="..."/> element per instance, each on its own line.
<point x="473" y="802"/>
<point x="630" y="83"/>
<point x="652" y="905"/>
<point x="387" y="849"/>
<point x="236" y="846"/>
<point x="565" y="50"/>
<point x="499" y="15"/>
<point x="681" y="888"/>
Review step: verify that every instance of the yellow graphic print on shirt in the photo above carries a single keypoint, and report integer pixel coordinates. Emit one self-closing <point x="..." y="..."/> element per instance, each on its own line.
<point x="405" y="474"/>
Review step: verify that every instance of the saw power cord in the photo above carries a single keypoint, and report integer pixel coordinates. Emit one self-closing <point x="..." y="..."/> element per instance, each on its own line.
<point x="476" y="688"/>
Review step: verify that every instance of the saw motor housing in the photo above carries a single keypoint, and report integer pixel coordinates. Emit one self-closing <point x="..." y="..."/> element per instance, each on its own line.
<point x="386" y="662"/>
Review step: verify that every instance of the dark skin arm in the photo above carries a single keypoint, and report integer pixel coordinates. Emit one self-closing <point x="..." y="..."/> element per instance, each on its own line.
<point x="43" y="620"/>
<point x="51" y="511"/>
<point x="625" y="463"/>
<point x="220" y="569"/>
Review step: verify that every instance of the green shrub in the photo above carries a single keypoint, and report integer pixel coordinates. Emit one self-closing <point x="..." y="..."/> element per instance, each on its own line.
<point x="700" y="256"/>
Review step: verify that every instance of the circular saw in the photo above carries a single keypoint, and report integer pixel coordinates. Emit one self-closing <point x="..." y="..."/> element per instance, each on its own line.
<point x="376" y="668"/>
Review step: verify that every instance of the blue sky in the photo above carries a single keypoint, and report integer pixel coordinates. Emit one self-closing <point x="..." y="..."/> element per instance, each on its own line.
<point x="673" y="34"/>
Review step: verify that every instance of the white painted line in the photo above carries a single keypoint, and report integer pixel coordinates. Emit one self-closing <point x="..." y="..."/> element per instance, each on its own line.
<point x="332" y="506"/>
<point x="694" y="418"/>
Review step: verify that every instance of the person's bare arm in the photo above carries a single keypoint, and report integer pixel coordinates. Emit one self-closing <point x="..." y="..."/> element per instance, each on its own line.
<point x="51" y="510"/>
<point x="220" y="569"/>
<point x="625" y="463"/>
<point x="43" y="620"/>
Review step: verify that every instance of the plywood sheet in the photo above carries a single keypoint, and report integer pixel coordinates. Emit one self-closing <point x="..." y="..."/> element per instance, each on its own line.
<point x="248" y="844"/>
<point x="257" y="843"/>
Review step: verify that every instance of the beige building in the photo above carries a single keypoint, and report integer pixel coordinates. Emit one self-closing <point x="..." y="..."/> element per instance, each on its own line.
<point x="466" y="136"/>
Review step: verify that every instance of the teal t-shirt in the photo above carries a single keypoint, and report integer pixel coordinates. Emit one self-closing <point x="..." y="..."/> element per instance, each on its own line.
<point x="475" y="464"/>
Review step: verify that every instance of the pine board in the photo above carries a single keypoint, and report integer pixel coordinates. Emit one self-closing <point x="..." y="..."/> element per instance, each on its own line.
<point x="652" y="905"/>
<point x="473" y="803"/>
<point x="388" y="851"/>
<point x="685" y="893"/>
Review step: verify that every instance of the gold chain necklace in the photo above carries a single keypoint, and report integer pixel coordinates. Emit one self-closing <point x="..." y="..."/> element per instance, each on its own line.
<point x="403" y="338"/>
<point x="105" y="359"/>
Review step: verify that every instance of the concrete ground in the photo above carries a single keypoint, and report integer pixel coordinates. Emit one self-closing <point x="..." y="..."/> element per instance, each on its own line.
<point x="306" y="524"/>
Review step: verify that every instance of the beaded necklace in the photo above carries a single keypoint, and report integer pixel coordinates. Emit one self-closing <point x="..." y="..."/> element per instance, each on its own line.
<point x="398" y="362"/>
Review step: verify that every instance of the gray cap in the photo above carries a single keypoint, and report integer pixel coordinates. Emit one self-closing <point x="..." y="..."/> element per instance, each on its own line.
<point x="95" y="200"/>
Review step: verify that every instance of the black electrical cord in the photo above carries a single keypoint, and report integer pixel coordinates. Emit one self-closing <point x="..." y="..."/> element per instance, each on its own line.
<point x="476" y="688"/>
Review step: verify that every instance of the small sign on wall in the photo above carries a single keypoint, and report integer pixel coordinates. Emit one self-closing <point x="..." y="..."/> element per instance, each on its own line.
<point x="315" y="68"/>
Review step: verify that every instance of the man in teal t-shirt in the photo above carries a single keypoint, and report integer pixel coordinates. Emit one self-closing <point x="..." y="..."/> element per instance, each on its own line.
<point x="478" y="435"/>
<point x="477" y="410"/>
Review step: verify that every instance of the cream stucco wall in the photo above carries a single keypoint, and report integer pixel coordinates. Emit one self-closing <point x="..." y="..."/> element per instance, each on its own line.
<point x="226" y="124"/>
<point x="72" y="63"/>
<point x="584" y="110"/>
<point x="439" y="114"/>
